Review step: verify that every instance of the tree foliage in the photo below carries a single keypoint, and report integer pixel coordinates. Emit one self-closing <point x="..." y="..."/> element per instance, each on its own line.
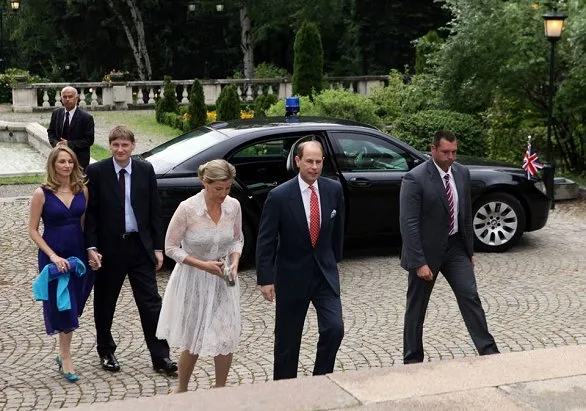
<point x="167" y="103"/>
<point x="308" y="66"/>
<point x="197" y="107"/>
<point x="228" y="104"/>
<point x="496" y="54"/>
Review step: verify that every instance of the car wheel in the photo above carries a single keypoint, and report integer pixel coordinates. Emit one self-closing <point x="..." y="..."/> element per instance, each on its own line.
<point x="498" y="222"/>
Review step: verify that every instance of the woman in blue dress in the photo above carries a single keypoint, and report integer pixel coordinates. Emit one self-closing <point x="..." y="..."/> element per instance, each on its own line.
<point x="61" y="202"/>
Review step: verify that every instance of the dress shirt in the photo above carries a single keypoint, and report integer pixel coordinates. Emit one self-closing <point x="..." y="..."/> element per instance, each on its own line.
<point x="306" y="195"/>
<point x="130" y="219"/>
<point x="71" y="113"/>
<point x="442" y="173"/>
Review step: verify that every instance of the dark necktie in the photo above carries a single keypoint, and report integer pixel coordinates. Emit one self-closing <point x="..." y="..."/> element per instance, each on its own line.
<point x="122" y="184"/>
<point x="313" y="216"/>
<point x="66" y="124"/>
<point x="450" y="194"/>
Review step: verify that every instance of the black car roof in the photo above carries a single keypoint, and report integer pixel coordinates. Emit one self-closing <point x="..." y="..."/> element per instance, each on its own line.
<point x="240" y="127"/>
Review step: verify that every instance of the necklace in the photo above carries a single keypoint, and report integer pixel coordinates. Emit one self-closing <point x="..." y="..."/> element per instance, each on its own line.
<point x="63" y="191"/>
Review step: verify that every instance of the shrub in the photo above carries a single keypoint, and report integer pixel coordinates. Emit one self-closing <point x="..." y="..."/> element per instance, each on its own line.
<point x="308" y="60"/>
<point x="335" y="104"/>
<point x="197" y="107"/>
<point x="418" y="128"/>
<point x="168" y="103"/>
<point x="8" y="79"/>
<point x="228" y="104"/>
<point x="269" y="70"/>
<point x="401" y="97"/>
<point x="347" y="105"/>
<point x="306" y="108"/>
<point x="262" y="103"/>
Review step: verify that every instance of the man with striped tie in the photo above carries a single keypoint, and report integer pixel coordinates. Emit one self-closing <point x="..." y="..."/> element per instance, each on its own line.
<point x="436" y="228"/>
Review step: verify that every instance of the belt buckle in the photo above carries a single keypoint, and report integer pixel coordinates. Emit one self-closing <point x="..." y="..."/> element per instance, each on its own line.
<point x="124" y="236"/>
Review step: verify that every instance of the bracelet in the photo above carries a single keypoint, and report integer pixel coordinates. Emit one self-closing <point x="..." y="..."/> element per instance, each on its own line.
<point x="51" y="256"/>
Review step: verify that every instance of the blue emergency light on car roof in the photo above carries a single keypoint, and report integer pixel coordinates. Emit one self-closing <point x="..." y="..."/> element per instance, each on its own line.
<point x="292" y="106"/>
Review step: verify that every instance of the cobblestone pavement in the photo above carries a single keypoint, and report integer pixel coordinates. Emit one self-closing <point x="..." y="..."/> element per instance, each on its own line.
<point x="533" y="295"/>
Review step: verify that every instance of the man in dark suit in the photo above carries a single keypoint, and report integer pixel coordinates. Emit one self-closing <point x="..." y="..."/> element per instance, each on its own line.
<point x="299" y="244"/>
<point x="436" y="227"/>
<point x="72" y="127"/>
<point x="124" y="235"/>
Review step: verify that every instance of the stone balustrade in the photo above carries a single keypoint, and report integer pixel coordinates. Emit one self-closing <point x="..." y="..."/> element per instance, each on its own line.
<point x="143" y="94"/>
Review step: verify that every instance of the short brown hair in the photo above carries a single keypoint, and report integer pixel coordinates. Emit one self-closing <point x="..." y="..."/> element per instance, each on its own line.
<point x="446" y="135"/>
<point x="121" y="132"/>
<point x="303" y="144"/>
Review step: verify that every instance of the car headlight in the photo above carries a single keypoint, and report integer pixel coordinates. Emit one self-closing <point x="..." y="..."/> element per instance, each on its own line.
<point x="540" y="185"/>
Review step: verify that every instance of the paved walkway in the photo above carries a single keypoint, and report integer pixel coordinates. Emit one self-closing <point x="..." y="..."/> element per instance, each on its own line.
<point x="534" y="298"/>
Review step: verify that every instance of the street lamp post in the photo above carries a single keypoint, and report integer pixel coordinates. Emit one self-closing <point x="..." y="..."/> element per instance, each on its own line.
<point x="15" y="6"/>
<point x="554" y="23"/>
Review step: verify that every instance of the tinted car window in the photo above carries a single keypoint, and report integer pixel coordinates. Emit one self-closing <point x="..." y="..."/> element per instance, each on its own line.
<point x="363" y="152"/>
<point x="263" y="162"/>
<point x="181" y="148"/>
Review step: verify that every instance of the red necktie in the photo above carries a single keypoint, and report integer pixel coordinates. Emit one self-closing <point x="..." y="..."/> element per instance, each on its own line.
<point x="450" y="195"/>
<point x="122" y="184"/>
<point x="313" y="216"/>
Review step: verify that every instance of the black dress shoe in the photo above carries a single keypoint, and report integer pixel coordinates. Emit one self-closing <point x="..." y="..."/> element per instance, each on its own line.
<point x="110" y="363"/>
<point x="165" y="365"/>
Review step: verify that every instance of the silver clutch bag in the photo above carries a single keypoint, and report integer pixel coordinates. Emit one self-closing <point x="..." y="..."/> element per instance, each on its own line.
<point x="230" y="280"/>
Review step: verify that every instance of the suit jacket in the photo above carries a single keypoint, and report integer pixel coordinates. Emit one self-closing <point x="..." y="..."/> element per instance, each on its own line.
<point x="285" y="256"/>
<point x="424" y="215"/>
<point x="80" y="135"/>
<point x="102" y="226"/>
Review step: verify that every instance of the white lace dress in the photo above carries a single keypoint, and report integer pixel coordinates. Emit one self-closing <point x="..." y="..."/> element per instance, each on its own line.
<point x="200" y="312"/>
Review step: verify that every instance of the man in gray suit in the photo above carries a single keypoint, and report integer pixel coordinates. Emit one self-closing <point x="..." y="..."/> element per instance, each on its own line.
<point x="436" y="228"/>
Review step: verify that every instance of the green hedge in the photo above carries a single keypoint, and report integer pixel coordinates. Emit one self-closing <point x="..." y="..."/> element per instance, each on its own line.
<point x="334" y="104"/>
<point x="8" y="79"/>
<point x="417" y="129"/>
<point x="175" y="120"/>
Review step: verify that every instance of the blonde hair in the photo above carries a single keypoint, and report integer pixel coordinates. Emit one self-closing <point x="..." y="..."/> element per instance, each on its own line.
<point x="76" y="179"/>
<point x="216" y="170"/>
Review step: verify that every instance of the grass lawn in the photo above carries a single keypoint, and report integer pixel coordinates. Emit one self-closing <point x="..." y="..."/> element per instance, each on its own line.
<point x="141" y="122"/>
<point x="36" y="179"/>
<point x="98" y="152"/>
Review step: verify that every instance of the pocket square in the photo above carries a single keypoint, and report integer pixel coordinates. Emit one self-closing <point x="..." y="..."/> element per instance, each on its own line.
<point x="333" y="214"/>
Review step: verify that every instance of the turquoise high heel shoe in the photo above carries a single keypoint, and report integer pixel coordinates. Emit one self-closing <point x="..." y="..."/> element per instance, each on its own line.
<point x="71" y="377"/>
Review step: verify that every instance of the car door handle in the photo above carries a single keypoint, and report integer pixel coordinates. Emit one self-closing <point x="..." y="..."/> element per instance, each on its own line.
<point x="359" y="182"/>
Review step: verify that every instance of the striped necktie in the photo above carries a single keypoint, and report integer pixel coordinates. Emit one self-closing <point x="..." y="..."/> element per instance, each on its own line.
<point x="450" y="194"/>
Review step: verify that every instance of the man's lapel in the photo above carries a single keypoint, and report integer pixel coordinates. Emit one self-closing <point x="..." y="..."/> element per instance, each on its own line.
<point x="459" y="180"/>
<point x="134" y="182"/>
<point x="437" y="182"/>
<point x="297" y="209"/>
<point x="111" y="174"/>
<point x="61" y="121"/>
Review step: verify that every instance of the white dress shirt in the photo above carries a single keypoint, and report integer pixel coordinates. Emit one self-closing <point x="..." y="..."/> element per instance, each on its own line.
<point x="130" y="219"/>
<point x="306" y="196"/>
<point x="454" y="190"/>
<point x="71" y="113"/>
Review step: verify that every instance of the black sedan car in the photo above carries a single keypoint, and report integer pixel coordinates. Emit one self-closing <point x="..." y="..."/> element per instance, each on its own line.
<point x="369" y="164"/>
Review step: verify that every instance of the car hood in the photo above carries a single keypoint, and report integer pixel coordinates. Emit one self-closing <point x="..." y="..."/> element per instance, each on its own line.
<point x="476" y="163"/>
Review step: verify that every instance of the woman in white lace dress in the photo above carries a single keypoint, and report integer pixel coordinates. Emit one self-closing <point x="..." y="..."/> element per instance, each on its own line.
<point x="201" y="311"/>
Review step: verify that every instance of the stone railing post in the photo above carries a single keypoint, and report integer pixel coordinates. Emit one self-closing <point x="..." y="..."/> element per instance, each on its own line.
<point x="24" y="98"/>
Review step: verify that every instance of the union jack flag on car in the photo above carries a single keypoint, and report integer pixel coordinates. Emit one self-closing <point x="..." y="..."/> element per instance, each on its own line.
<point x="531" y="161"/>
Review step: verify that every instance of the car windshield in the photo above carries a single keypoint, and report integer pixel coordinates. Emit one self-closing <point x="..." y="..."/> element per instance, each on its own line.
<point x="181" y="148"/>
